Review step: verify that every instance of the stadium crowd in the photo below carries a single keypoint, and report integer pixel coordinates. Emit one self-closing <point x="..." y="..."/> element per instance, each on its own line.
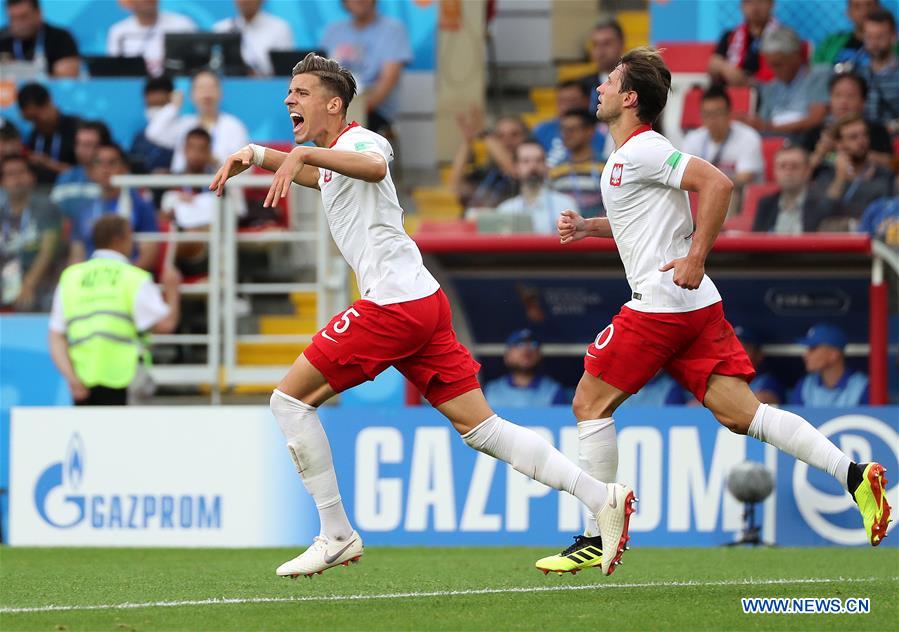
<point x="819" y="141"/>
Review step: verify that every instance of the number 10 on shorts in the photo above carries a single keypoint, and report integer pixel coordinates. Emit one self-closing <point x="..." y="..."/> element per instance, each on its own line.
<point x="340" y="325"/>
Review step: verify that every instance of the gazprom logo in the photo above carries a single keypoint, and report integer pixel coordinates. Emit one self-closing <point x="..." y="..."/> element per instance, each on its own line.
<point x="61" y="503"/>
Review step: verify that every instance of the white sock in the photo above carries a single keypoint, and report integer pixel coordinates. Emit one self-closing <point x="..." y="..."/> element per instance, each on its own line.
<point x="311" y="453"/>
<point x="795" y="436"/>
<point x="529" y="454"/>
<point x="597" y="451"/>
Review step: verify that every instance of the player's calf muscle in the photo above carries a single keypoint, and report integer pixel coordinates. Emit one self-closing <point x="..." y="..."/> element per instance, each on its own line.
<point x="732" y="402"/>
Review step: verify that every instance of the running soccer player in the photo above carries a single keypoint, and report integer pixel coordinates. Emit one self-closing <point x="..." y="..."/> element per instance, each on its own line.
<point x="403" y="319"/>
<point x="674" y="318"/>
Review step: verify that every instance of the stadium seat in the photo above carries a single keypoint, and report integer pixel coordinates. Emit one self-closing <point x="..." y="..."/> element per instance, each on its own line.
<point x="751" y="196"/>
<point x="770" y="146"/>
<point x="686" y="56"/>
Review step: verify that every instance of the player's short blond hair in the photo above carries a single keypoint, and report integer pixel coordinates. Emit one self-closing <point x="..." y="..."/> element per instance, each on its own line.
<point x="333" y="76"/>
<point x="644" y="71"/>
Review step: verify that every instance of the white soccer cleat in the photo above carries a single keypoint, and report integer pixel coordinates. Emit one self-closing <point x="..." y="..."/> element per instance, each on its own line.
<point x="613" y="520"/>
<point x="322" y="555"/>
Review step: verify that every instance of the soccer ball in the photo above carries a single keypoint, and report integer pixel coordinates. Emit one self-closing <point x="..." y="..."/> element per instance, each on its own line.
<point x="750" y="482"/>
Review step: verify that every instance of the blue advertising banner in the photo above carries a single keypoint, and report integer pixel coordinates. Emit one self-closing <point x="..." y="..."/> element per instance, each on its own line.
<point x="407" y="478"/>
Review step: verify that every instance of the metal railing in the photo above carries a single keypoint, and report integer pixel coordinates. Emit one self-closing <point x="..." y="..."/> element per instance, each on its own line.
<point x="222" y="286"/>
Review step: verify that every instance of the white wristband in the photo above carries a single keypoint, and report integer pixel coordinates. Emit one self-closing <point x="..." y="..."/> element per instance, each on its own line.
<point x="258" y="154"/>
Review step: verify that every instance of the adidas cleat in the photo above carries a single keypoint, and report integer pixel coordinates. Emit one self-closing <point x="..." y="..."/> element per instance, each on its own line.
<point x="613" y="521"/>
<point x="871" y="498"/>
<point x="584" y="553"/>
<point x="322" y="555"/>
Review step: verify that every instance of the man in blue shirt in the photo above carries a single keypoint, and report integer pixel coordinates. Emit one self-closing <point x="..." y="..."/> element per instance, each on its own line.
<point x="375" y="48"/>
<point x="881" y="220"/>
<point x="524" y="385"/>
<point x="765" y="386"/>
<point x="828" y="382"/>
<point x="570" y="96"/>
<point x="109" y="161"/>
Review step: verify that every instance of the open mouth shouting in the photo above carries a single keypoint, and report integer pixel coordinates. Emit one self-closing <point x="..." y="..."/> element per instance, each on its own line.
<point x="297" y="119"/>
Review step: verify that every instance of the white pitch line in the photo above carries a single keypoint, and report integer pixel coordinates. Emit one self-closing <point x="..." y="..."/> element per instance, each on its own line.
<point x="214" y="601"/>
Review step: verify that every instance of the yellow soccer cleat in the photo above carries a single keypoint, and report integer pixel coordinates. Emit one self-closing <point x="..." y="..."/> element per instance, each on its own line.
<point x="584" y="553"/>
<point x="871" y="498"/>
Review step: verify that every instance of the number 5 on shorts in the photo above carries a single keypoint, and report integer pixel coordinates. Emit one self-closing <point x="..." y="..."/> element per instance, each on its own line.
<point x="341" y="325"/>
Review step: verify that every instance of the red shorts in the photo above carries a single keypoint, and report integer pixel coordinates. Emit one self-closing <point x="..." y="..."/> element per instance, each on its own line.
<point x="416" y="337"/>
<point x="691" y="346"/>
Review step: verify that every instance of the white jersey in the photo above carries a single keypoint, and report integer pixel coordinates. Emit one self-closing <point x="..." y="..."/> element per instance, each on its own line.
<point x="651" y="222"/>
<point x="366" y="221"/>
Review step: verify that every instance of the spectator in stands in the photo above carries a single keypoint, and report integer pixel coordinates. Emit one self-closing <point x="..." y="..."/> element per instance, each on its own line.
<point x="375" y="48"/>
<point x="524" y="385"/>
<point x="143" y="34"/>
<point x="485" y="186"/>
<point x="736" y="60"/>
<point x="580" y="174"/>
<point x="795" y="100"/>
<point x="260" y="33"/>
<point x="168" y="128"/>
<point x="828" y="382"/>
<point x="110" y="160"/>
<point x="796" y="208"/>
<point x="766" y="387"/>
<point x="26" y="37"/>
<point x="845" y="47"/>
<point x="146" y="155"/>
<point x="31" y="233"/>
<point x="732" y="146"/>
<point x="52" y="141"/>
<point x="881" y="221"/>
<point x="10" y="139"/>
<point x="570" y="95"/>
<point x="97" y="355"/>
<point x="536" y="200"/>
<point x="882" y="70"/>
<point x="606" y="49"/>
<point x="661" y="390"/>
<point x="74" y="188"/>
<point x="854" y="180"/>
<point x="848" y="92"/>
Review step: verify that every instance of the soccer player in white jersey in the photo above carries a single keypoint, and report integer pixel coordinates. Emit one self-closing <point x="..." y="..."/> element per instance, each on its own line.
<point x="675" y="319"/>
<point x="403" y="319"/>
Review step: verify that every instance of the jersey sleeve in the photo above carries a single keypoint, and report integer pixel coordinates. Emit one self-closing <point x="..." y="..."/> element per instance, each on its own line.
<point x="366" y="142"/>
<point x="660" y="163"/>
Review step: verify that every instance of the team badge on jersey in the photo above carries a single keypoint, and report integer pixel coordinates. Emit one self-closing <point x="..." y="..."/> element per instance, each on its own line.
<point x="617" y="169"/>
<point x="328" y="175"/>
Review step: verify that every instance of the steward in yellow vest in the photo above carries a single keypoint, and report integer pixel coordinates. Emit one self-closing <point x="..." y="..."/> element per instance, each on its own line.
<point x="101" y="310"/>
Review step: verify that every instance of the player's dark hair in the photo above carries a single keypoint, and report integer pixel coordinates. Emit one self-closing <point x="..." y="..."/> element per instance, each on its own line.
<point x="882" y="16"/>
<point x="529" y="141"/>
<point x="33" y="3"/>
<point x="158" y="84"/>
<point x="644" y="71"/>
<point x="96" y="126"/>
<point x="610" y="23"/>
<point x="117" y="149"/>
<point x="574" y="83"/>
<point x="585" y="117"/>
<point x="11" y="158"/>
<point x="843" y="122"/>
<point x="32" y="94"/>
<point x="858" y="80"/>
<point x="108" y="229"/>
<point x="716" y="91"/>
<point x="199" y="132"/>
<point x="9" y="131"/>
<point x="331" y="74"/>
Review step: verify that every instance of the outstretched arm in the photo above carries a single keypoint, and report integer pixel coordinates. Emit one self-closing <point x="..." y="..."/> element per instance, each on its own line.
<point x="714" y="190"/>
<point x="361" y="165"/>
<point x="271" y="160"/>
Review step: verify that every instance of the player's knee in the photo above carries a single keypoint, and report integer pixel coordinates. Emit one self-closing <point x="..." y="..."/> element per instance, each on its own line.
<point x="736" y="422"/>
<point x="587" y="407"/>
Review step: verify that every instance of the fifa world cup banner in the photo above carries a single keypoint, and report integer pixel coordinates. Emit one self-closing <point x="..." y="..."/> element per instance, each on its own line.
<point x="221" y="476"/>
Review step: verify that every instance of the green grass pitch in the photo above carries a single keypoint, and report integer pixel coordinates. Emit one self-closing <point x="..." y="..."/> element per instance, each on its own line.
<point x="437" y="589"/>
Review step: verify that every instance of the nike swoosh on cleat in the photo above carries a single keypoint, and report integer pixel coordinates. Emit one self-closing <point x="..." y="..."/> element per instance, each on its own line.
<point x="613" y="502"/>
<point x="330" y="558"/>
